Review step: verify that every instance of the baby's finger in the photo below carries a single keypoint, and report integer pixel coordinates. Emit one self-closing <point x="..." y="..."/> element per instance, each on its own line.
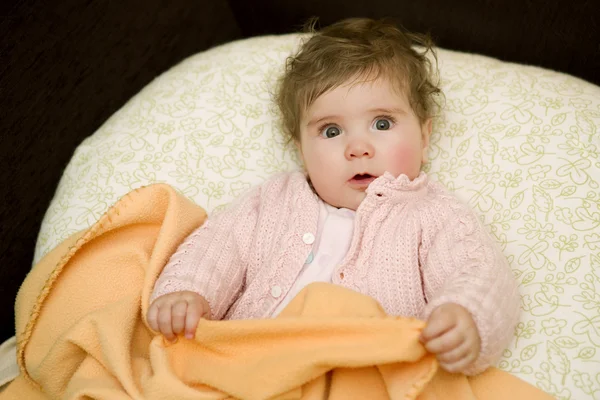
<point x="448" y="341"/>
<point x="455" y="355"/>
<point x="460" y="365"/>
<point x="191" y="320"/>
<point x="437" y="324"/>
<point x="152" y="317"/>
<point x="178" y="313"/>
<point x="165" y="324"/>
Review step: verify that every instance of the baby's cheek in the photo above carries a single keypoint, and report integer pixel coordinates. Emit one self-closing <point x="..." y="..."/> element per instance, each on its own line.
<point x="406" y="160"/>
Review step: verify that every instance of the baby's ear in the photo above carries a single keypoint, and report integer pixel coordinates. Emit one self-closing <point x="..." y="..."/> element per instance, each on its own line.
<point x="425" y="135"/>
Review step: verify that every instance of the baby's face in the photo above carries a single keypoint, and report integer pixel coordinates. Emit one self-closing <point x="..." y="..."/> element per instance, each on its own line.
<point x="353" y="134"/>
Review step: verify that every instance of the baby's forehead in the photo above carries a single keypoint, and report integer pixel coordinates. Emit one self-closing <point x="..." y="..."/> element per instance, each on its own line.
<point x="379" y="86"/>
<point x="371" y="81"/>
<point x="359" y="97"/>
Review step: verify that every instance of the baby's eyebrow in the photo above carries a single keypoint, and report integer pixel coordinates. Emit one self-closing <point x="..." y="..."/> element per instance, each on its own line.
<point x="317" y="121"/>
<point x="387" y="111"/>
<point x="378" y="110"/>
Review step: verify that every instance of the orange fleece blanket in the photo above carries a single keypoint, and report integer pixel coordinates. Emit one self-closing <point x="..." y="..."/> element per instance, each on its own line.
<point x="82" y="333"/>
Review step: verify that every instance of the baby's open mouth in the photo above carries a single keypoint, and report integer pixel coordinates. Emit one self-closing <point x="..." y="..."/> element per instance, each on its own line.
<point x="361" y="181"/>
<point x="360" y="177"/>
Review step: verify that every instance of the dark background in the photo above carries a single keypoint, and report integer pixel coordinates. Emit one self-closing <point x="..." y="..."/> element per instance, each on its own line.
<point x="67" y="65"/>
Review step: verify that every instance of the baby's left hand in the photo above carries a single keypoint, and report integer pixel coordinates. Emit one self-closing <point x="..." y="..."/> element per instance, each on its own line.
<point x="451" y="334"/>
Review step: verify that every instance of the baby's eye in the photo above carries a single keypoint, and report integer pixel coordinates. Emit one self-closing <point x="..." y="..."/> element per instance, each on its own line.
<point x="382" y="124"/>
<point x="331" y="132"/>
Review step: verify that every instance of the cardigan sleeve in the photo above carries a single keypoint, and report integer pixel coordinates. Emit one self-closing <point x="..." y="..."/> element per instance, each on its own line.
<point x="212" y="260"/>
<point x="462" y="264"/>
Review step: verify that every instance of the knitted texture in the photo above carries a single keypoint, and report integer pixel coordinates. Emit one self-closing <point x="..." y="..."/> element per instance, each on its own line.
<point x="414" y="247"/>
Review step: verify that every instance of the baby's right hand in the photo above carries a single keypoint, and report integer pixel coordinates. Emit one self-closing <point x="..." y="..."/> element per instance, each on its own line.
<point x="174" y="313"/>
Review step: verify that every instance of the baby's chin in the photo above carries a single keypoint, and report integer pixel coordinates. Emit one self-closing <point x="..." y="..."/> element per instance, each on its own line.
<point x="351" y="203"/>
<point x="354" y="206"/>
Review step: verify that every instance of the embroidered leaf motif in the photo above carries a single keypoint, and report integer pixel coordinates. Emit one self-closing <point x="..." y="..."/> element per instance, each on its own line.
<point x="463" y="147"/>
<point x="217" y="140"/>
<point x="528" y="277"/>
<point x="583" y="381"/>
<point x="231" y="79"/>
<point x="202" y="135"/>
<point x="566" y="342"/>
<point x="559" y="361"/>
<point x="572" y="265"/>
<point x="587" y="353"/>
<point x="558" y="119"/>
<point x="534" y="255"/>
<point x="591" y="113"/>
<point x="589" y="327"/>
<point x="550" y="184"/>
<point x="529" y="352"/>
<point x="513" y="131"/>
<point x="105" y="169"/>
<point x="592" y="241"/>
<point x="488" y="144"/>
<point x="568" y="190"/>
<point x="207" y="79"/>
<point x="257" y="131"/>
<point x="542" y="200"/>
<point x="575" y="170"/>
<point x="128" y="157"/>
<point x="169" y="146"/>
<point x="586" y="125"/>
<point x="521" y="113"/>
<point x="494" y="128"/>
<point x="194" y="147"/>
<point x="595" y="261"/>
<point x="532" y="154"/>
<point x="482" y="199"/>
<point x="517" y="199"/>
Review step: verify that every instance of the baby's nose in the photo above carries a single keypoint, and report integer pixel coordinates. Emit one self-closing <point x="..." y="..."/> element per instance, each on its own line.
<point x="358" y="149"/>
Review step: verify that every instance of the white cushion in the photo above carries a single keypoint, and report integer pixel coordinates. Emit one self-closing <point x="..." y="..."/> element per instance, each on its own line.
<point x="518" y="143"/>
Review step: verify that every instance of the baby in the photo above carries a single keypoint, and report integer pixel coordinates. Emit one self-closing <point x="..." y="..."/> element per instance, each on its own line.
<point x="357" y="100"/>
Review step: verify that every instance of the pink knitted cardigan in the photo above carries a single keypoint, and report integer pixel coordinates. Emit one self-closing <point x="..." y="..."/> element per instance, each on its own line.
<point x="415" y="246"/>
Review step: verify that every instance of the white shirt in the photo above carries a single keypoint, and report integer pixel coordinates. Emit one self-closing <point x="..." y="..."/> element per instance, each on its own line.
<point x="334" y="233"/>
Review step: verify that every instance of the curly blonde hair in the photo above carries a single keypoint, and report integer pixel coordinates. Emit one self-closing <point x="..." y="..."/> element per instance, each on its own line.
<point x="353" y="49"/>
